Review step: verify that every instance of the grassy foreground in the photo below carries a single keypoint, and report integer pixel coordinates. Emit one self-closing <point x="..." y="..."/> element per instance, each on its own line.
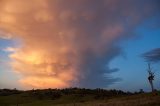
<point x="79" y="99"/>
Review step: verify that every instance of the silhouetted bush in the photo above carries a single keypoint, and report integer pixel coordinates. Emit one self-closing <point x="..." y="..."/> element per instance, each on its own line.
<point x="6" y="92"/>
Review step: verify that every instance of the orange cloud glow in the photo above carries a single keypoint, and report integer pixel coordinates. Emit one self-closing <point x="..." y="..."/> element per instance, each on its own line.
<point x="62" y="41"/>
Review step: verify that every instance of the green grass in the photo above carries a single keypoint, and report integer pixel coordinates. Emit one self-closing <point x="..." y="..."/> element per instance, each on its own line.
<point x="25" y="99"/>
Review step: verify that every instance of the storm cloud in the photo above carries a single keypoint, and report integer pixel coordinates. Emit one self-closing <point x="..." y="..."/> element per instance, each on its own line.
<point x="68" y="43"/>
<point x="152" y="56"/>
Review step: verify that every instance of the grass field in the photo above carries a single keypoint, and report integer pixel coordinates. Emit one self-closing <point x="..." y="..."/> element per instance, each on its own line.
<point x="25" y="99"/>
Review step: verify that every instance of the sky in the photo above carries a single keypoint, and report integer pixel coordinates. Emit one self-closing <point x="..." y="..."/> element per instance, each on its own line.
<point x="78" y="43"/>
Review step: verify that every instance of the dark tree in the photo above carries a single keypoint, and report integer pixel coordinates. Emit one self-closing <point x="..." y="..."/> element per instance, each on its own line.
<point x="150" y="77"/>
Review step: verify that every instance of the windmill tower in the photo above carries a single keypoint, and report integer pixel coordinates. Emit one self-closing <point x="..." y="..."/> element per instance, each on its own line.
<point x="150" y="77"/>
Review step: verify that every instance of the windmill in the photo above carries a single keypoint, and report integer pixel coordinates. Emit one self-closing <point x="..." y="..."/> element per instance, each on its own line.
<point x="151" y="77"/>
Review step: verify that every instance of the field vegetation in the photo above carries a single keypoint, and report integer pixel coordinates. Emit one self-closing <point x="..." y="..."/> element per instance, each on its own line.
<point x="77" y="97"/>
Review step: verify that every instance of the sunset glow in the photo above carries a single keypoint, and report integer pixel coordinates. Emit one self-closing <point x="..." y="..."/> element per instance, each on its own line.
<point x="68" y="43"/>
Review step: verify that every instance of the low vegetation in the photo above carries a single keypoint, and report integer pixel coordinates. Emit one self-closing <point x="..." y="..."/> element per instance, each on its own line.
<point x="77" y="97"/>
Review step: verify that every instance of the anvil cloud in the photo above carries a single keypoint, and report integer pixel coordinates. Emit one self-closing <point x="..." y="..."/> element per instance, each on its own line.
<point x="68" y="42"/>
